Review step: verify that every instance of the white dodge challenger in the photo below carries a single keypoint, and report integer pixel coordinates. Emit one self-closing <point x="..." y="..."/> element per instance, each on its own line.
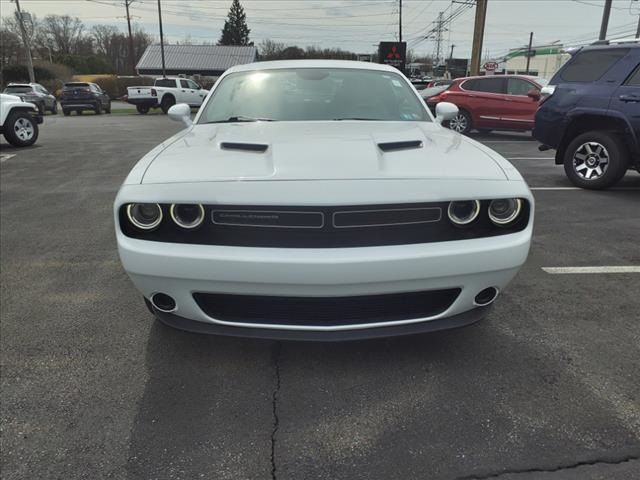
<point x="320" y="200"/>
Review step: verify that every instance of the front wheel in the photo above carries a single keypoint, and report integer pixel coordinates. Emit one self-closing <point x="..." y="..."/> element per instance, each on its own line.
<point x="596" y="160"/>
<point x="461" y="123"/>
<point x="21" y="130"/>
<point x="54" y="108"/>
<point x="108" y="109"/>
<point x="98" y="109"/>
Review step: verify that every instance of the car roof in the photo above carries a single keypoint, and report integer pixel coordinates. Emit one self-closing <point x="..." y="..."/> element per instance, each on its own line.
<point x="281" y="64"/>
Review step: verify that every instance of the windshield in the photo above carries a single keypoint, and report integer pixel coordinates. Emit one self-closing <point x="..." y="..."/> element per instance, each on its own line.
<point x="17" y="89"/>
<point x="313" y="94"/>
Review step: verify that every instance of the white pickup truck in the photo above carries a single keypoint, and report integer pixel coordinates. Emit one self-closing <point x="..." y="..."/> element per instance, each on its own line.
<point x="165" y="93"/>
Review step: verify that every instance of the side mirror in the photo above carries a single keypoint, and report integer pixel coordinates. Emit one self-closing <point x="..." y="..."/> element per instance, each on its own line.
<point x="534" y="94"/>
<point x="445" y="111"/>
<point x="181" y="112"/>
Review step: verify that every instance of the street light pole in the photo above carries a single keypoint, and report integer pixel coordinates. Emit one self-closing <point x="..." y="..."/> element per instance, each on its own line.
<point x="478" y="36"/>
<point x="400" y="22"/>
<point x="605" y="20"/>
<point x="529" y="52"/>
<point x="131" y="54"/>
<point x="27" y="44"/>
<point x="164" y="70"/>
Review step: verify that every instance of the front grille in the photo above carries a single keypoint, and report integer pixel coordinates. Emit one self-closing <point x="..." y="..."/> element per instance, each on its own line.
<point x="323" y="227"/>
<point x="325" y="311"/>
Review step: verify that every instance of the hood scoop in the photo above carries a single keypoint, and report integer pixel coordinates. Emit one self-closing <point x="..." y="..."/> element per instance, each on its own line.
<point x="244" y="147"/>
<point x="405" y="145"/>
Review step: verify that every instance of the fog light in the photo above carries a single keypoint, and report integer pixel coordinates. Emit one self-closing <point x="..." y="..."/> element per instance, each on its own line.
<point x="187" y="215"/>
<point x="145" y="216"/>
<point x="463" y="213"/>
<point x="505" y="210"/>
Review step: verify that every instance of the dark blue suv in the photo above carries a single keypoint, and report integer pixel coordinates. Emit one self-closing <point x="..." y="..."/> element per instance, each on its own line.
<point x="591" y="114"/>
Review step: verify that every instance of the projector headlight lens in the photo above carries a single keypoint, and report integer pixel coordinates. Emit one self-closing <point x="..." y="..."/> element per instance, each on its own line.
<point x="505" y="211"/>
<point x="145" y="216"/>
<point x="187" y="216"/>
<point x="463" y="212"/>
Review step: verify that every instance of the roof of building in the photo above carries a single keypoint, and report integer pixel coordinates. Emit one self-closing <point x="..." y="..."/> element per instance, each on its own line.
<point x="194" y="59"/>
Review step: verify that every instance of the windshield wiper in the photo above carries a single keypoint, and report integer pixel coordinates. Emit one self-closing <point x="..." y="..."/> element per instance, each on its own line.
<point x="243" y="118"/>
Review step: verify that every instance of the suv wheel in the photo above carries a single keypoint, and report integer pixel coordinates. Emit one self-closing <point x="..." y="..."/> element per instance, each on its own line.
<point x="461" y="123"/>
<point x="596" y="160"/>
<point x="108" y="109"/>
<point x="20" y="129"/>
<point x="98" y="109"/>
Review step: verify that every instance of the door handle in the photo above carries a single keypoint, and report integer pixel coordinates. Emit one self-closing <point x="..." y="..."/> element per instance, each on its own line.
<point x="630" y="98"/>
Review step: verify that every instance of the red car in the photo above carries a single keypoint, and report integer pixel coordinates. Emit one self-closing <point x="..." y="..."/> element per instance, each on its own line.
<point x="495" y="102"/>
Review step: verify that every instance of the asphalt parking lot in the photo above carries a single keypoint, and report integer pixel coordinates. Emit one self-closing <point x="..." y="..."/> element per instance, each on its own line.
<point x="545" y="388"/>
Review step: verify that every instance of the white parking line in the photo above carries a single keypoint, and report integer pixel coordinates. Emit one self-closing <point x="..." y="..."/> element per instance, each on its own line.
<point x="565" y="270"/>
<point x="6" y="156"/>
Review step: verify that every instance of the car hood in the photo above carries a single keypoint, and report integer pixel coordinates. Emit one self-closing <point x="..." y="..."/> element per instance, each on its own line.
<point x="319" y="151"/>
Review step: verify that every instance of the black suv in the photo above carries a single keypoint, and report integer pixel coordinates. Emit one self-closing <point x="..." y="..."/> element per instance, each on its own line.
<point x="590" y="114"/>
<point x="80" y="96"/>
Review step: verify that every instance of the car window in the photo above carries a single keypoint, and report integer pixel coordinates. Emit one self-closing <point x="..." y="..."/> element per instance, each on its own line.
<point x="165" y="82"/>
<point x="634" y="79"/>
<point x="193" y="85"/>
<point x="487" y="85"/>
<point x="184" y="84"/>
<point x="69" y="86"/>
<point x="41" y="89"/>
<point x="591" y="65"/>
<point x="17" y="89"/>
<point x="314" y="94"/>
<point x="517" y="86"/>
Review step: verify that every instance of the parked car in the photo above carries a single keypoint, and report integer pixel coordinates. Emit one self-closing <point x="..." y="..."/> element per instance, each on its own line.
<point x="230" y="228"/>
<point x="165" y="93"/>
<point x="34" y="93"/>
<point x="438" y="82"/>
<point x="81" y="96"/>
<point x="427" y="93"/>
<point x="19" y="121"/>
<point x="590" y="114"/>
<point x="496" y="102"/>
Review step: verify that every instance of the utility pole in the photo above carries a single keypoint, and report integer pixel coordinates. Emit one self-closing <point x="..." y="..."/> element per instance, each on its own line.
<point x="638" y="31"/>
<point x="27" y="44"/>
<point x="439" y="32"/>
<point x="605" y="19"/>
<point x="529" y="52"/>
<point x="164" y="70"/>
<point x="132" y="55"/>
<point x="478" y="35"/>
<point x="400" y="22"/>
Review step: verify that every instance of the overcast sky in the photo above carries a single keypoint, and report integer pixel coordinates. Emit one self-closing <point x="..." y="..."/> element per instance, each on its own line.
<point x="358" y="25"/>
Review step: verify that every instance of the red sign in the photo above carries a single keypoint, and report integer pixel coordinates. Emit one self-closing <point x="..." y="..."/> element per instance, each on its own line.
<point x="490" y="66"/>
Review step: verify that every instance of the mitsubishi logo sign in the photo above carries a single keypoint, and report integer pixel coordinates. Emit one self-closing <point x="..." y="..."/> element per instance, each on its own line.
<point x="393" y="53"/>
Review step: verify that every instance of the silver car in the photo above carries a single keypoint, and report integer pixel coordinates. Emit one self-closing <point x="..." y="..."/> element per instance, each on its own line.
<point x="34" y="93"/>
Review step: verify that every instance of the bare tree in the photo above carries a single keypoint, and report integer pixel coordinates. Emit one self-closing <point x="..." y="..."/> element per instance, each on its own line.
<point x="63" y="34"/>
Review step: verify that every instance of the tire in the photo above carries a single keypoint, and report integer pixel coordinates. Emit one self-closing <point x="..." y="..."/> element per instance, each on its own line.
<point x="461" y="123"/>
<point x="66" y="113"/>
<point x="54" y="109"/>
<point x="41" y="108"/>
<point x="108" y="109"/>
<point x="168" y="101"/>
<point x="20" y="129"/>
<point x="142" y="109"/>
<point x="98" y="109"/>
<point x="596" y="160"/>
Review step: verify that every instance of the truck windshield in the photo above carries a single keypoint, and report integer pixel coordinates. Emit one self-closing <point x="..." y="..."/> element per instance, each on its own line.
<point x="314" y="94"/>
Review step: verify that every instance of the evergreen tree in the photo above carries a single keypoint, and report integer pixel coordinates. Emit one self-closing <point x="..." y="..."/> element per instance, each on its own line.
<point x="235" y="30"/>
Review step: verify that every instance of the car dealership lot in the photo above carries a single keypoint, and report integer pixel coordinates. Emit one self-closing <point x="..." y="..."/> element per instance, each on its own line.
<point x="546" y="387"/>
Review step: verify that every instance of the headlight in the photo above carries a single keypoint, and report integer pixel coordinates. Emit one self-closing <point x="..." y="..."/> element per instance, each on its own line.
<point x="463" y="213"/>
<point x="187" y="215"/>
<point x="505" y="210"/>
<point x="145" y="216"/>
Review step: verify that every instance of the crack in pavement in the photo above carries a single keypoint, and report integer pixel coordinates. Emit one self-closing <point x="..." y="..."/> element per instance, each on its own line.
<point x="612" y="461"/>
<point x="274" y="404"/>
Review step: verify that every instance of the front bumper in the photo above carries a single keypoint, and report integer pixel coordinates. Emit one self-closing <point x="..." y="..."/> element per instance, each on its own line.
<point x="182" y="270"/>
